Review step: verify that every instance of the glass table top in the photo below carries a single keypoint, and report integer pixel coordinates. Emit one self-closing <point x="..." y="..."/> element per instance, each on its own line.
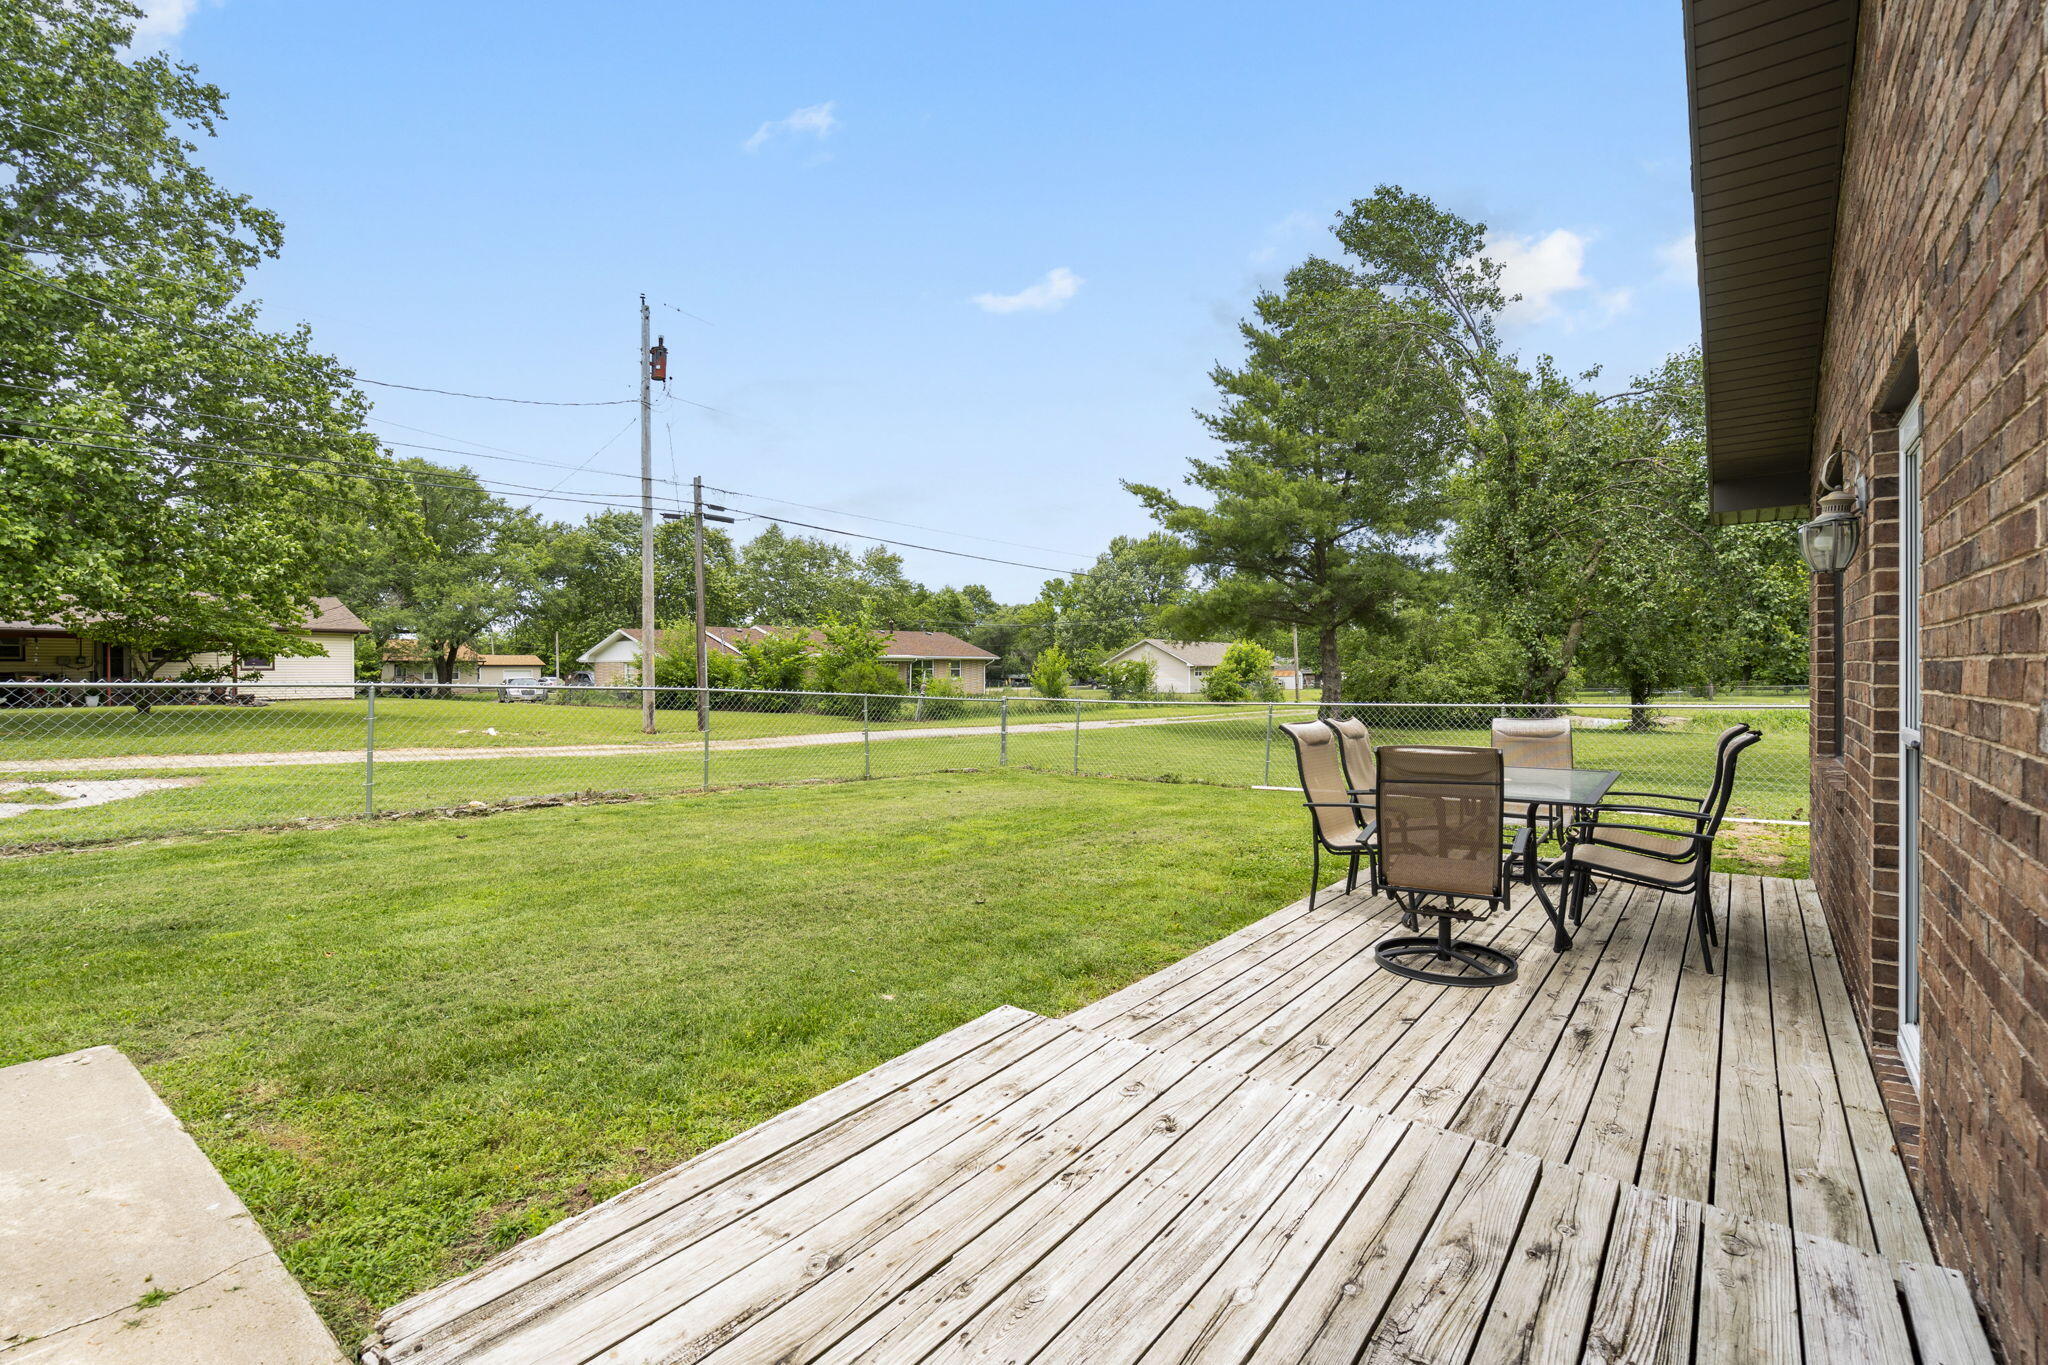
<point x="1563" y="786"/>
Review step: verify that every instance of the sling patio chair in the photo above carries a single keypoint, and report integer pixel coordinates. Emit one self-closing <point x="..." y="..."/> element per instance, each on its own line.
<point x="1441" y="818"/>
<point x="1354" y="746"/>
<point x="1676" y="860"/>
<point x="1338" y="822"/>
<point x="1544" y="743"/>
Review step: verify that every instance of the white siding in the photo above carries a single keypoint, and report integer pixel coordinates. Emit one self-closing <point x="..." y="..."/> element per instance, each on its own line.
<point x="1168" y="673"/>
<point x="335" y="667"/>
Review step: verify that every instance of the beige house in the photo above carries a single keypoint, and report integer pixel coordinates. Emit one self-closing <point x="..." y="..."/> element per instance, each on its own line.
<point x="52" y="653"/>
<point x="403" y="662"/>
<point x="916" y="655"/>
<point x="1182" y="665"/>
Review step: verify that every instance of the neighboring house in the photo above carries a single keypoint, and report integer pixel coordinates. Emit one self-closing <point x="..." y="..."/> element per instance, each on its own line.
<point x="52" y="653"/>
<point x="1181" y="665"/>
<point x="404" y="662"/>
<point x="1869" y="184"/>
<point x="915" y="654"/>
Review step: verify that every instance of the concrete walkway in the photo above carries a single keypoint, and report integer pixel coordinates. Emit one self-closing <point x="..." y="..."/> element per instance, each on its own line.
<point x="332" y="757"/>
<point x="119" y="1242"/>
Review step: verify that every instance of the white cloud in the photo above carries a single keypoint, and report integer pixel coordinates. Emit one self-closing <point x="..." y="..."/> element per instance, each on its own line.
<point x="1539" y="269"/>
<point x="162" y="21"/>
<point x="1059" y="285"/>
<point x="814" y="119"/>
<point x="1680" y="258"/>
<point x="1285" y="237"/>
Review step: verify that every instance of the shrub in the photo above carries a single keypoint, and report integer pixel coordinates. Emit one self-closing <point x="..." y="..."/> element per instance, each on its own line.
<point x="943" y="699"/>
<point x="1245" y="674"/>
<point x="773" y="666"/>
<point x="880" y="691"/>
<point x="1132" y="679"/>
<point x="1050" y="674"/>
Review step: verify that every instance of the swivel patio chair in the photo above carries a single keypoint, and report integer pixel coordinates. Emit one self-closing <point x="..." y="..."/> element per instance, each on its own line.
<point x="1441" y="818"/>
<point x="1338" y="822"/>
<point x="1661" y="859"/>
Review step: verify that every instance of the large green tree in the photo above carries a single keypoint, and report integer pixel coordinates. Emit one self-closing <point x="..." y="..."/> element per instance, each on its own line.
<point x="1582" y="535"/>
<point x="170" y="472"/>
<point x="1122" y="596"/>
<point x="587" y="582"/>
<point x="461" y="572"/>
<point x="1338" y="435"/>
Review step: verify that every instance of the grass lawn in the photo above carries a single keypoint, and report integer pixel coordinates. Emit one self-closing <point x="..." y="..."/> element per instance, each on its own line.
<point x="407" y="1044"/>
<point x="1232" y="751"/>
<point x="36" y="733"/>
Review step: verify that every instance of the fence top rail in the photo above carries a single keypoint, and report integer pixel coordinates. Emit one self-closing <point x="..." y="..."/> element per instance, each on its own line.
<point x="366" y="685"/>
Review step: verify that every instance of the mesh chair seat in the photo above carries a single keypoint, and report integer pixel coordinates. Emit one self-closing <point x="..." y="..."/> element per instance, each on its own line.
<point x="1658" y="844"/>
<point x="1345" y="840"/>
<point x="1626" y="862"/>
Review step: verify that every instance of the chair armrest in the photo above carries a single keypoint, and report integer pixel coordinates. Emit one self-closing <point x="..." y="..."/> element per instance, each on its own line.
<point x="1592" y="836"/>
<point x="1694" y="802"/>
<point x="1603" y="808"/>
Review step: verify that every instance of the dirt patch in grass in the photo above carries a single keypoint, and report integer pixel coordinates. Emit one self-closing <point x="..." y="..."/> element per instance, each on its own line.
<point x="1765" y="850"/>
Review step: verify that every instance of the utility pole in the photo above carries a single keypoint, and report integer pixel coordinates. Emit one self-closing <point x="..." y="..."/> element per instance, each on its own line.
<point x="647" y="642"/>
<point x="697" y="567"/>
<point x="700" y="512"/>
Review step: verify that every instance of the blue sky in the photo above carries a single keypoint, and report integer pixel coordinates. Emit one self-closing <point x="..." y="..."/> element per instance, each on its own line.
<point x="960" y="265"/>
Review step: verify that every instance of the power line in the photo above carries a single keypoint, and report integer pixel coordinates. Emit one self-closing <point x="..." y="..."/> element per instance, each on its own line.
<point x="486" y="453"/>
<point x="494" y="398"/>
<point x="862" y="516"/>
<point x="601" y="450"/>
<point x="909" y="545"/>
<point x="271" y="459"/>
<point x="381" y="383"/>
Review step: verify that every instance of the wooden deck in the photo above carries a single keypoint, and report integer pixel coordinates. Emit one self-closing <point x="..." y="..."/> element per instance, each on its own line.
<point x="1274" y="1151"/>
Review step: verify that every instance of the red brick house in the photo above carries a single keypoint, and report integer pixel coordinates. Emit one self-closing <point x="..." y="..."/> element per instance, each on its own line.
<point x="1869" y="197"/>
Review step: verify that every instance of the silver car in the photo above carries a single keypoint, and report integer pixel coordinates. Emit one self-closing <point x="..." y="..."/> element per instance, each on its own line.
<point x="522" y="690"/>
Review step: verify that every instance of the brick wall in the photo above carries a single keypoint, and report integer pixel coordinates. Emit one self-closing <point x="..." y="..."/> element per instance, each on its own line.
<point x="1939" y="268"/>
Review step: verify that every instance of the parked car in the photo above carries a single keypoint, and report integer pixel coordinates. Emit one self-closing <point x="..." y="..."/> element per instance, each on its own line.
<point x="522" y="690"/>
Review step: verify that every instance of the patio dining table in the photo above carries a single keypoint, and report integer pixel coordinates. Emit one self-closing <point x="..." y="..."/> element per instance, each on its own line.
<point x="1559" y="789"/>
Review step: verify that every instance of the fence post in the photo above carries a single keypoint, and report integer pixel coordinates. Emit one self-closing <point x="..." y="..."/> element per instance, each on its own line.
<point x="1077" y="736"/>
<point x="1003" y="744"/>
<point x="867" y="767"/>
<point x="707" y="747"/>
<point x="1269" y="744"/>
<point x="370" y="749"/>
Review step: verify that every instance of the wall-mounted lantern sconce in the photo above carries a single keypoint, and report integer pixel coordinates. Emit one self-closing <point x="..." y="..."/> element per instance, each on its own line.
<point x="1828" y="545"/>
<point x="1828" y="542"/>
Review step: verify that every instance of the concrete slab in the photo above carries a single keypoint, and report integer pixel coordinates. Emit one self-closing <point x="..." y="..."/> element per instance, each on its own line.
<point x="107" y="1203"/>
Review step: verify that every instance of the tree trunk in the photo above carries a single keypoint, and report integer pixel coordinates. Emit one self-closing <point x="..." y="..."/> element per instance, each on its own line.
<point x="1638" y="704"/>
<point x="1331" y="669"/>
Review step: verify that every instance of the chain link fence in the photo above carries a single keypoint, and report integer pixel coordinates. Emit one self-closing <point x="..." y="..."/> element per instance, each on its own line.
<point x="84" y="762"/>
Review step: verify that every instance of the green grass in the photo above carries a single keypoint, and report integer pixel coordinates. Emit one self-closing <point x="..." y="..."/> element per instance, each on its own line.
<point x="1231" y="752"/>
<point x="407" y="1044"/>
<point x="31" y="796"/>
<point x="38" y="734"/>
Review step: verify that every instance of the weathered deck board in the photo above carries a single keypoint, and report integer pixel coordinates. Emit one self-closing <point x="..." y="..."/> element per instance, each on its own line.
<point x="1555" y="1170"/>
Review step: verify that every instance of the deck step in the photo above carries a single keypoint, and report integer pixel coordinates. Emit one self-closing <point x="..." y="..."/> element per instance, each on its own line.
<point x="120" y="1243"/>
<point x="1024" y="1188"/>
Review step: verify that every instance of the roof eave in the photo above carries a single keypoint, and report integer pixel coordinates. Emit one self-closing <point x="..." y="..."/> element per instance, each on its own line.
<point x="1744" y="59"/>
